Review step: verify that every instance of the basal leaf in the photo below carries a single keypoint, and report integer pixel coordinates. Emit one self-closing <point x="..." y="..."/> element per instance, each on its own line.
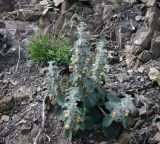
<point x="89" y="123"/>
<point x="126" y="122"/>
<point x="111" y="105"/>
<point x="60" y="100"/>
<point x="81" y="125"/>
<point x="112" y="97"/>
<point x="107" y="121"/>
<point x="90" y="101"/>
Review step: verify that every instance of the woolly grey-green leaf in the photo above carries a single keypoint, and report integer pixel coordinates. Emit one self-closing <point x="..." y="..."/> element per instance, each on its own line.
<point x="107" y="121"/>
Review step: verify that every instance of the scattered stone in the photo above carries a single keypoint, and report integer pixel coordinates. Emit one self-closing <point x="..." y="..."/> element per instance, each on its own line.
<point x="141" y="69"/>
<point x="26" y="128"/>
<point x="124" y="138"/>
<point x="2" y="24"/>
<point x="155" y="139"/>
<point x="38" y="89"/>
<point x="131" y="60"/>
<point x="138" y="18"/>
<point x="13" y="82"/>
<point x="4" y="118"/>
<point x="154" y="75"/>
<point x="124" y="77"/>
<point x="6" y="104"/>
<point x="145" y="56"/>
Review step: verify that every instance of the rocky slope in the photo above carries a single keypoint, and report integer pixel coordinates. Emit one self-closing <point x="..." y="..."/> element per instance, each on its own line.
<point x="132" y="29"/>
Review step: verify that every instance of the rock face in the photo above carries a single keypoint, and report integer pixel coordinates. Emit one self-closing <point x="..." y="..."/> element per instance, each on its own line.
<point x="146" y="41"/>
<point x="14" y="31"/>
<point x="6" y="6"/>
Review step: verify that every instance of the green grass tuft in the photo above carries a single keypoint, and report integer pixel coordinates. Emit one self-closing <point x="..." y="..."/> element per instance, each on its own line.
<point x="43" y="49"/>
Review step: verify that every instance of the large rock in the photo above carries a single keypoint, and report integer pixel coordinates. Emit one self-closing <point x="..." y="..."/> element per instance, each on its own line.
<point x="153" y="18"/>
<point x="6" y="5"/>
<point x="143" y="37"/>
<point x="155" y="45"/>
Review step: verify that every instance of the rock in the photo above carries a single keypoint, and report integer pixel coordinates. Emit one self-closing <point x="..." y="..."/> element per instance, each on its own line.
<point x="57" y="2"/>
<point x="155" y="139"/>
<point x="138" y="18"/>
<point x="154" y="75"/>
<point x="142" y="111"/>
<point x="134" y="49"/>
<point x="23" y="95"/>
<point x="155" y="46"/>
<point x="29" y="15"/>
<point x="44" y="2"/>
<point x="151" y="3"/>
<point x="13" y="82"/>
<point x="124" y="138"/>
<point x="124" y="77"/>
<point x="6" y="6"/>
<point x="143" y="37"/>
<point x="153" y="17"/>
<point x="137" y="50"/>
<point x="2" y="24"/>
<point x="4" y="118"/>
<point x="26" y="128"/>
<point x="145" y="56"/>
<point x="131" y="60"/>
<point x="144" y="1"/>
<point x="137" y="64"/>
<point x="6" y="104"/>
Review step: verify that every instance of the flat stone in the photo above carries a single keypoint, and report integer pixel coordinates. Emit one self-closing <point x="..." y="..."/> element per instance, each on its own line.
<point x="4" y="118"/>
<point x="143" y="37"/>
<point x="138" y="17"/>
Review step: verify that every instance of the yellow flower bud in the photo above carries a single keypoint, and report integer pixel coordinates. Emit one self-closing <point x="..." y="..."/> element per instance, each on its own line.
<point x="113" y="114"/>
<point x="66" y="127"/>
<point x="126" y="113"/>
<point x="66" y="115"/>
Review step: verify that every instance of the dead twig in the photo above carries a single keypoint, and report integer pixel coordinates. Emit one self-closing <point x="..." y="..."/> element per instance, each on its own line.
<point x="17" y="65"/>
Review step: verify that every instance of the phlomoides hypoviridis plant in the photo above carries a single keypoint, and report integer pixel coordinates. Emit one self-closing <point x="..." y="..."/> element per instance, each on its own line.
<point x="85" y="102"/>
